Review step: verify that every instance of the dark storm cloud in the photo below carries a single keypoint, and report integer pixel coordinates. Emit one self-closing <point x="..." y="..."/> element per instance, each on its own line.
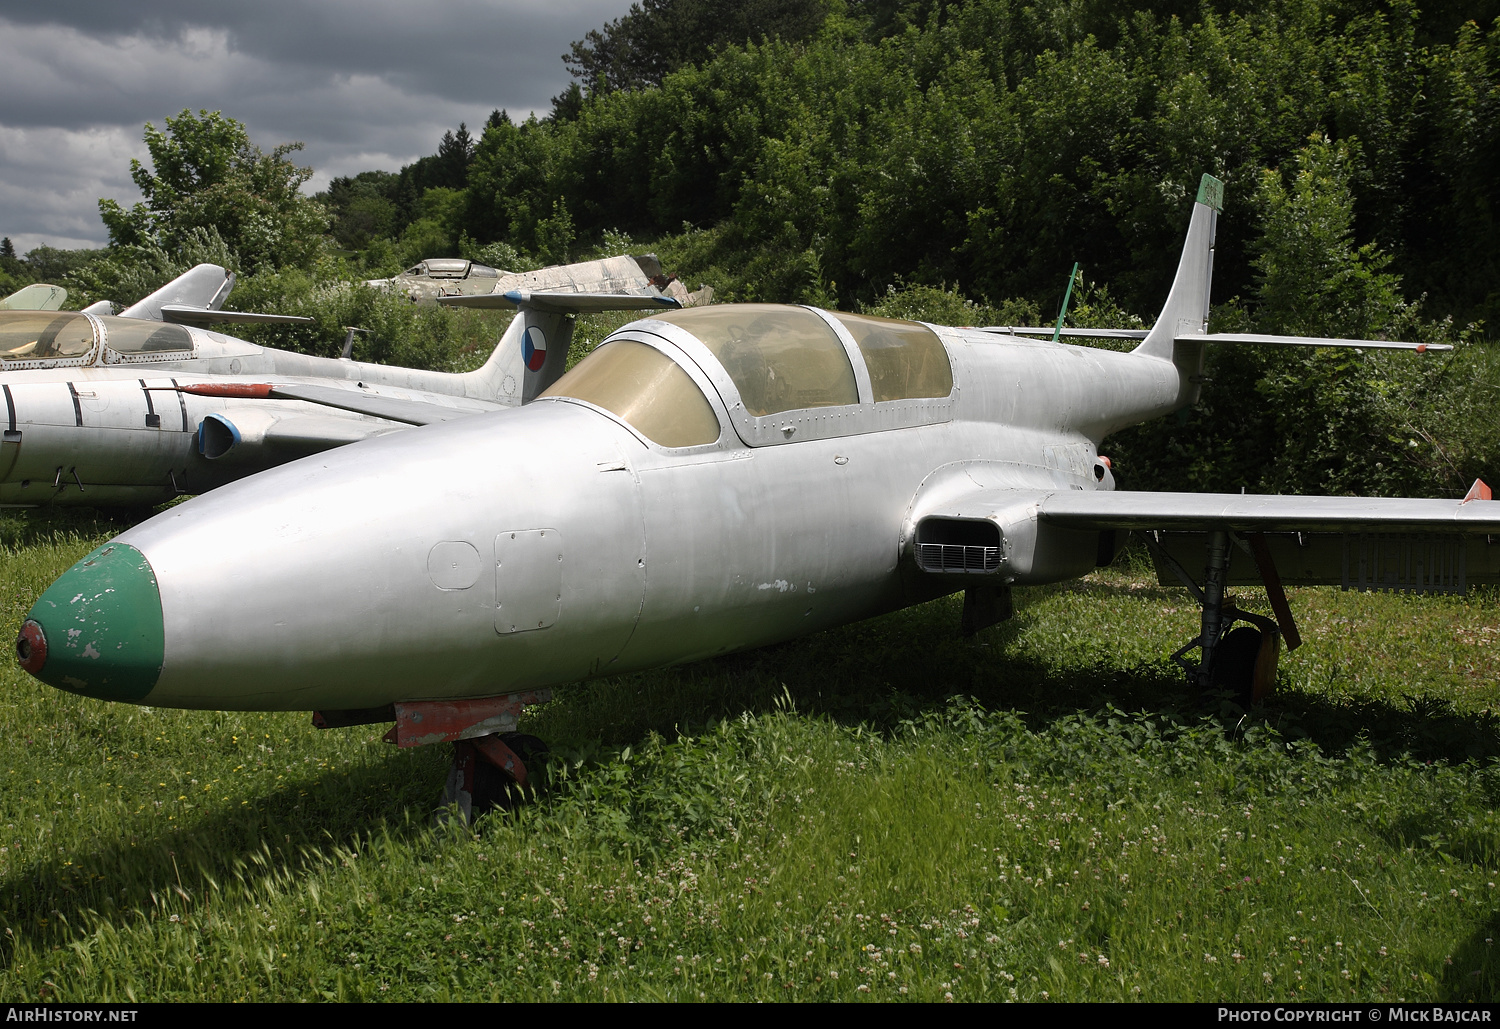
<point x="363" y="83"/>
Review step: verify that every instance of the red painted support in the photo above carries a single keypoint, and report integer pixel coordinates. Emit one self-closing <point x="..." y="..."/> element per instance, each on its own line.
<point x="1274" y="593"/>
<point x="421" y="722"/>
<point x="493" y="749"/>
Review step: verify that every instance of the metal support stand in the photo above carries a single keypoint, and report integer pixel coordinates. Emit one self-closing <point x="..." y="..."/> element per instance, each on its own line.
<point x="1214" y="574"/>
<point x="985" y="606"/>
<point x="1220" y="612"/>
<point x="489" y="756"/>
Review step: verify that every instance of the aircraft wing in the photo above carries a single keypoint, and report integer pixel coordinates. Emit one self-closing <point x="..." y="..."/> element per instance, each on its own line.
<point x="1238" y="512"/>
<point x="396" y="409"/>
<point x="1041" y="535"/>
<point x="180" y="314"/>
<point x="563" y="301"/>
<point x="1359" y="543"/>
<point x="1306" y="341"/>
<point x="310" y="434"/>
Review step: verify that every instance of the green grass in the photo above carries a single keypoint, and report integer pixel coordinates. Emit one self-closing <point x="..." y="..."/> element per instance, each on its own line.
<point x="882" y="811"/>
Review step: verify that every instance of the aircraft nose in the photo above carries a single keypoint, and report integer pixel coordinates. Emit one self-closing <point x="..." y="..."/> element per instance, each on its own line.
<point x="98" y="629"/>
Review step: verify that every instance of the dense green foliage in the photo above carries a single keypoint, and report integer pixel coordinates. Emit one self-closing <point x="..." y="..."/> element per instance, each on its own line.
<point x="882" y="811"/>
<point x="207" y="175"/>
<point x="987" y="145"/>
<point x="949" y="161"/>
<point x="657" y="37"/>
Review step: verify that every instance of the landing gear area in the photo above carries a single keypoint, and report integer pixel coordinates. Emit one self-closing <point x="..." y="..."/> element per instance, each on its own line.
<point x="489" y="772"/>
<point x="1240" y="661"/>
<point x="490" y="759"/>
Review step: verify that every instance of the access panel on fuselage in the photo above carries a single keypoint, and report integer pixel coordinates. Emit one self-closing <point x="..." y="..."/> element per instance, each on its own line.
<point x="528" y="579"/>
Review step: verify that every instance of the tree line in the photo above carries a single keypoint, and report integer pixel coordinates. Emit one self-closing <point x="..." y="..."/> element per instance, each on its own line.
<point x="917" y="155"/>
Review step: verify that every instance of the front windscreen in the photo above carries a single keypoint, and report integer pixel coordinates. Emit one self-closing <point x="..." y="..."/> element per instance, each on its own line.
<point x="139" y="336"/>
<point x="780" y="358"/>
<point x="40" y="335"/>
<point x="906" y="359"/>
<point x="647" y="389"/>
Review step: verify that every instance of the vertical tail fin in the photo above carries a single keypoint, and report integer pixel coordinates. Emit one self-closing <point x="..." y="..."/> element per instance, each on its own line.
<point x="39" y="296"/>
<point x="203" y="286"/>
<point x="532" y="354"/>
<point x="1186" y="309"/>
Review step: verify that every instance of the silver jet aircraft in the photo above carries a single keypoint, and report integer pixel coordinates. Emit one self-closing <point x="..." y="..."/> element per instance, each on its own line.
<point x="706" y="481"/>
<point x="138" y="408"/>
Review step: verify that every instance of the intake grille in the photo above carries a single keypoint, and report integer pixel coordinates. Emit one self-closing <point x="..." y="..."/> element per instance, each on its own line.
<point x="955" y="557"/>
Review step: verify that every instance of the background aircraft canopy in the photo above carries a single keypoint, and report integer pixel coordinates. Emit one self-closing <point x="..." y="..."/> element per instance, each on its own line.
<point x="38" y="335"/>
<point x="451" y="268"/>
<point x="906" y="360"/>
<point x="780" y="358"/>
<point x="44" y="335"/>
<point x="645" y="388"/>
<point x="133" y="336"/>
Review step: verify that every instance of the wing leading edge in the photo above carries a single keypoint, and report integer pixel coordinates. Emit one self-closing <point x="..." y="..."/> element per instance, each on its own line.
<point x="1238" y="512"/>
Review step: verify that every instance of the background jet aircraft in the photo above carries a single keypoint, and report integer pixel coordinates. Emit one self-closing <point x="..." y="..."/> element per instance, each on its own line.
<point x="144" y="406"/>
<point x="705" y="481"/>
<point x="440" y="277"/>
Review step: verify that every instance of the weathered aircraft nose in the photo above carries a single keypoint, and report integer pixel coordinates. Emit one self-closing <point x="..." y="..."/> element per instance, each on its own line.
<point x="98" y="629"/>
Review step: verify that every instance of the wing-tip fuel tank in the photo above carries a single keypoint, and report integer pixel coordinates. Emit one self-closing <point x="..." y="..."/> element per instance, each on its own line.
<point x="706" y="480"/>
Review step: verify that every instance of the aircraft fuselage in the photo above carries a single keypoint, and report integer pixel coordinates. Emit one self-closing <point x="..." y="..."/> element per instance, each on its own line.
<point x="551" y="543"/>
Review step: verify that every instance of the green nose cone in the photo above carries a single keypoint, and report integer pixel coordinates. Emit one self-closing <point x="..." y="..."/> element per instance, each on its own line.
<point x="100" y="628"/>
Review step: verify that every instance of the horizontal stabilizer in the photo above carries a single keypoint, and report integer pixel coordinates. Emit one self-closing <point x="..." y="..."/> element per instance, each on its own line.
<point x="565" y="302"/>
<point x="1042" y="330"/>
<point x="1221" y="337"/>
<point x="179" y="314"/>
<point x="1308" y="341"/>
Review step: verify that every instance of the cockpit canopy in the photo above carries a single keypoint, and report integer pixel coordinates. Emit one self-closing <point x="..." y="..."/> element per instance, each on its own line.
<point x="775" y="368"/>
<point x="780" y="358"/>
<point x="451" y="268"/>
<point x="68" y="336"/>
<point x="647" y="389"/>
<point x="41" y="335"/>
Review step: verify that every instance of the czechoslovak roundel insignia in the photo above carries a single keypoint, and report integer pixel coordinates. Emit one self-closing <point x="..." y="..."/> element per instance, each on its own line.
<point x="534" y="348"/>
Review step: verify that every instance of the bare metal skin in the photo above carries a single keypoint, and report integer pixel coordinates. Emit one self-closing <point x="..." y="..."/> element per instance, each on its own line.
<point x="541" y="545"/>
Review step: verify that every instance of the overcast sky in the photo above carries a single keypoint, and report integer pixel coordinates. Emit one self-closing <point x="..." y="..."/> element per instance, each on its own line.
<point x="365" y="84"/>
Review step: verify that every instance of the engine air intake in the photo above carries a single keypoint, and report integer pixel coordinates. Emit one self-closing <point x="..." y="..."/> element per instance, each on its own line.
<point x="954" y="545"/>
